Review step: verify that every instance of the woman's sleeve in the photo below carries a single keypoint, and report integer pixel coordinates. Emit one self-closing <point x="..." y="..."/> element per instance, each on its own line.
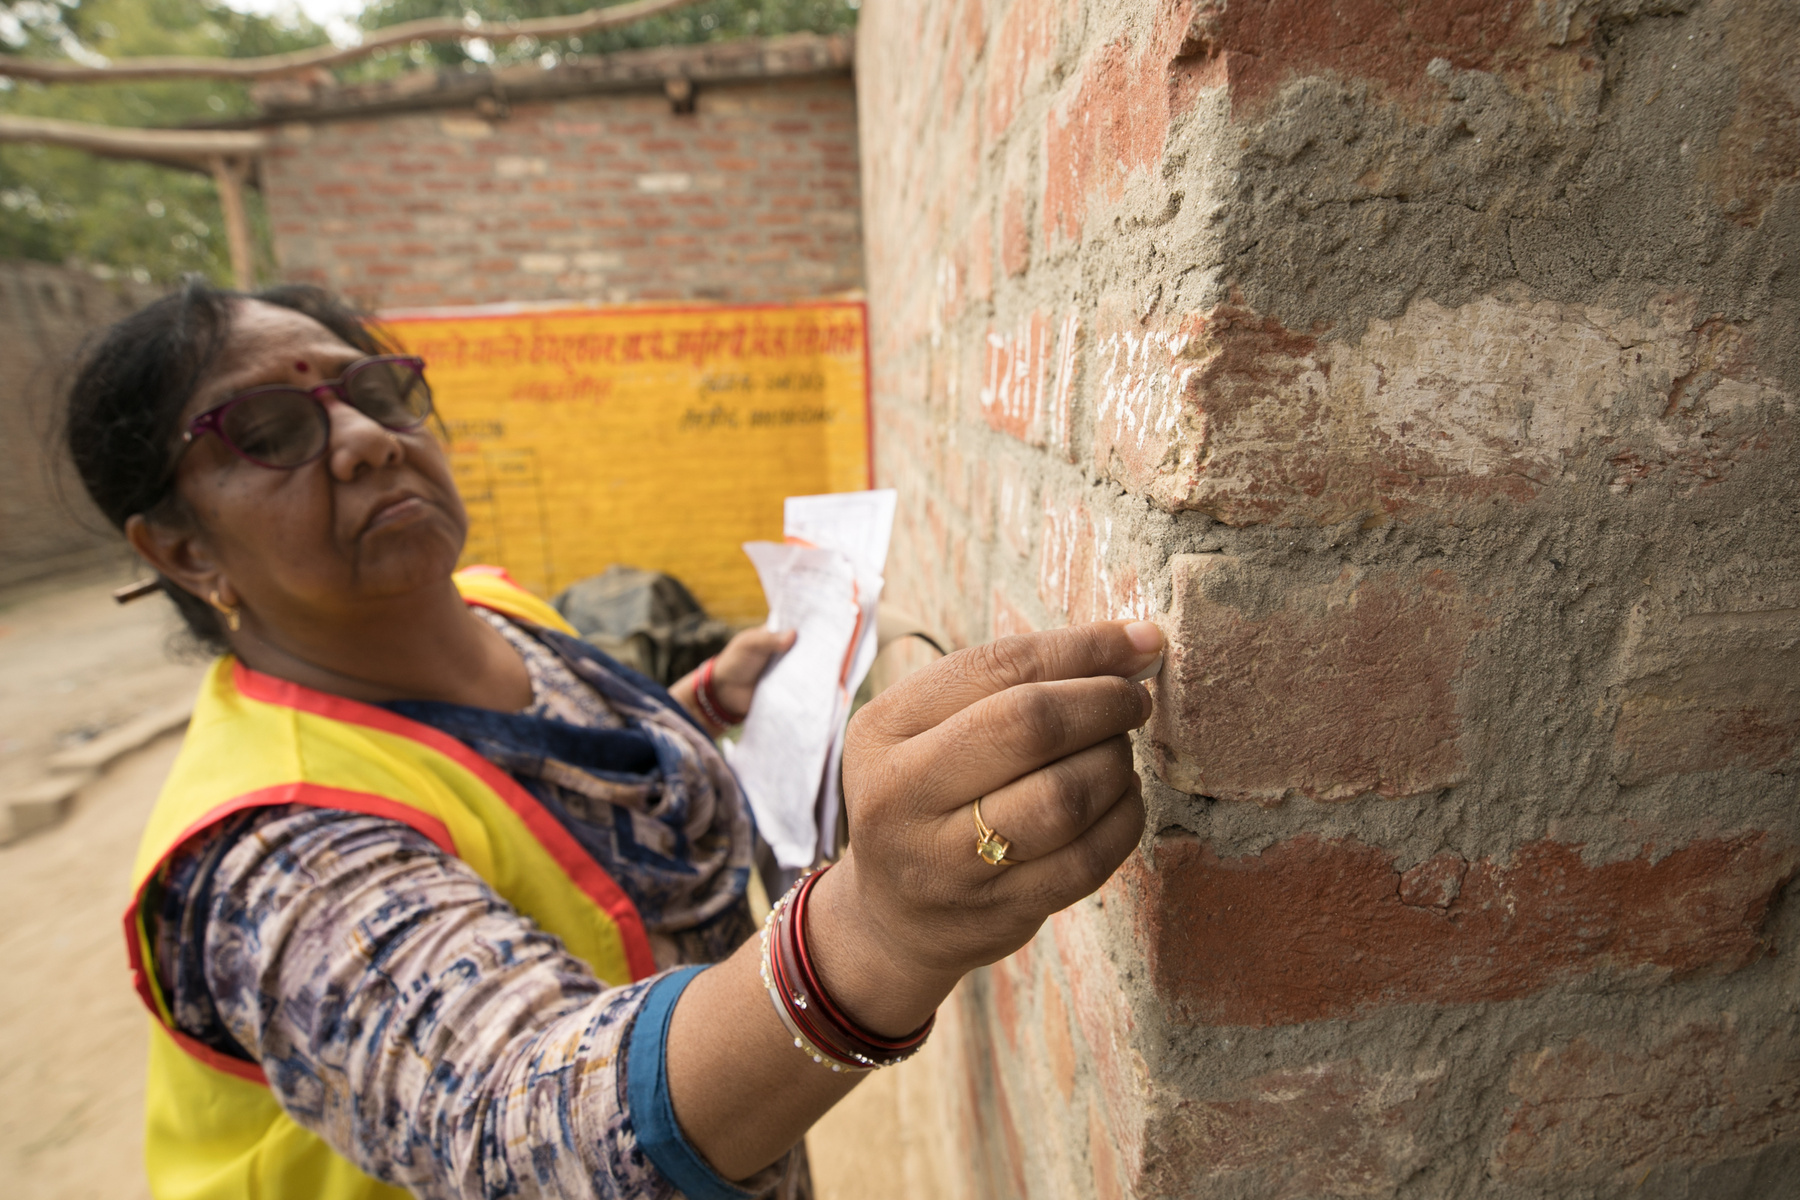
<point x="427" y="1031"/>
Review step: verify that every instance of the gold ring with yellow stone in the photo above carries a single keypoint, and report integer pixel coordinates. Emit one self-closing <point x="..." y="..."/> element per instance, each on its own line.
<point x="990" y="845"/>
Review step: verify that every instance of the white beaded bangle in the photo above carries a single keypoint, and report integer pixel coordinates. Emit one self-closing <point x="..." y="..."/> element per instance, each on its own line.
<point x="768" y="976"/>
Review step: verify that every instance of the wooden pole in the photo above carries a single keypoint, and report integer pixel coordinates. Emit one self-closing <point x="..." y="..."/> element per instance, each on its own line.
<point x="179" y="147"/>
<point x="229" y="175"/>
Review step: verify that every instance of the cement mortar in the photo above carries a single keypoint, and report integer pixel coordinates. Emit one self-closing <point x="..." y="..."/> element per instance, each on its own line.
<point x="1337" y="208"/>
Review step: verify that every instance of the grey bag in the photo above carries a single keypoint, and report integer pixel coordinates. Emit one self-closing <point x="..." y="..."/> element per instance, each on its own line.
<point x="647" y="620"/>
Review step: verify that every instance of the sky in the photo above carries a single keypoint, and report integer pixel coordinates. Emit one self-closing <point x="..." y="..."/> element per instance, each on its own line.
<point x="332" y="14"/>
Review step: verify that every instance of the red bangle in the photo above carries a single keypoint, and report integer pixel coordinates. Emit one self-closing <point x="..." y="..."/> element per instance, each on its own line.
<point x="707" y="697"/>
<point x="843" y="1024"/>
<point x="818" y="1025"/>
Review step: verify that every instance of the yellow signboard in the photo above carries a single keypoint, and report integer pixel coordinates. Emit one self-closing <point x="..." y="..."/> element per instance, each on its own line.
<point x="661" y="438"/>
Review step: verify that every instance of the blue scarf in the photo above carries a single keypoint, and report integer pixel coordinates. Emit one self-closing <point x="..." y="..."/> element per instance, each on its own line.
<point x="652" y="801"/>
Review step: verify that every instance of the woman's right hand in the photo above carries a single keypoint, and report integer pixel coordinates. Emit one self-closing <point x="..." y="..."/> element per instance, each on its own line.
<point x="1035" y="726"/>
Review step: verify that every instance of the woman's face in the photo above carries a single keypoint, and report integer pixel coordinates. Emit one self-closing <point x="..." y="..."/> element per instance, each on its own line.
<point x="376" y="516"/>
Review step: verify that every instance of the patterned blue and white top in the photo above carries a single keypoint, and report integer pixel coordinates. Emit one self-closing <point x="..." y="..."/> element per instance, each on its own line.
<point x="422" y="1027"/>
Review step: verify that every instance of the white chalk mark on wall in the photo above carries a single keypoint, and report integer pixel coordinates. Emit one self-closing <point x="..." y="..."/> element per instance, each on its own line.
<point x="1063" y="396"/>
<point x="1143" y="386"/>
<point x="1078" y="574"/>
<point x="1012" y="394"/>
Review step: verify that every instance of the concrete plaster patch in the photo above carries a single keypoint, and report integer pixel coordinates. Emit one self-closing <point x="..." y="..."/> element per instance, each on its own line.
<point x="1234" y="416"/>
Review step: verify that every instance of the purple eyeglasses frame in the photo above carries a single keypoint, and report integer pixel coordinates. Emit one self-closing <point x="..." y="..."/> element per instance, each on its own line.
<point x="212" y="420"/>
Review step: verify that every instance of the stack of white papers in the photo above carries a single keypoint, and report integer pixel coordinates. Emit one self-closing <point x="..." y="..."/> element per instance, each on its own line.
<point x="825" y="582"/>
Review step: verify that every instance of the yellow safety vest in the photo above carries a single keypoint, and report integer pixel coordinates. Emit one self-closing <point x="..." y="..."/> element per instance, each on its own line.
<point x="213" y="1131"/>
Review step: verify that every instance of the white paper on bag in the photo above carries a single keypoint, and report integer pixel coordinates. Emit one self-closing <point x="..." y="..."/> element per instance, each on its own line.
<point x="781" y="757"/>
<point x="793" y="742"/>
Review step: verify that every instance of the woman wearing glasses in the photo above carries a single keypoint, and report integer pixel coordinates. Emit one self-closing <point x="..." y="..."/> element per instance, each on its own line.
<point x="440" y="900"/>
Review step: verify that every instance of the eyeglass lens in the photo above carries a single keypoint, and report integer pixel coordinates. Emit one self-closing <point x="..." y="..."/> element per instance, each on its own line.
<point x="286" y="427"/>
<point x="282" y="427"/>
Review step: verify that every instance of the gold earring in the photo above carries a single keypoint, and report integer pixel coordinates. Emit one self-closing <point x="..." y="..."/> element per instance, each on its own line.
<point x="230" y="611"/>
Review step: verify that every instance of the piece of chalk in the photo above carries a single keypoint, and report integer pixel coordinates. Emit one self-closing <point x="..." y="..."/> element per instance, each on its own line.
<point x="1148" y="672"/>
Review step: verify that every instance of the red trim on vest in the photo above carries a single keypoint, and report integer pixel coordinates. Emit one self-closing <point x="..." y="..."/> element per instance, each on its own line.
<point x="489" y="569"/>
<point x="575" y="862"/>
<point x="249" y="1072"/>
<point x="313" y="795"/>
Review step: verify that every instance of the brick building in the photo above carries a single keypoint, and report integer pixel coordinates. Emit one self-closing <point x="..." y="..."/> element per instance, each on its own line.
<point x="1429" y="371"/>
<point x="723" y="171"/>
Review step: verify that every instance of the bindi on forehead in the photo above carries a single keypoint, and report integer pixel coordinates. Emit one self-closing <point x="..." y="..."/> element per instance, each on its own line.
<point x="302" y="366"/>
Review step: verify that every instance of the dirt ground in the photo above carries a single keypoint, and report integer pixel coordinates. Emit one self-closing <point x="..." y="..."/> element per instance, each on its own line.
<point x="72" y="1034"/>
<point x="72" y="1041"/>
<point x="73" y="664"/>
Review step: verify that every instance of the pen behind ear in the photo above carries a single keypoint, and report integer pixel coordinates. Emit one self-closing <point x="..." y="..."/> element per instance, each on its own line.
<point x="136" y="591"/>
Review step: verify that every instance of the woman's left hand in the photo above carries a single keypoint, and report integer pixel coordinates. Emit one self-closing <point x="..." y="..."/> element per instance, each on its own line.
<point x="742" y="662"/>
<point x="736" y="670"/>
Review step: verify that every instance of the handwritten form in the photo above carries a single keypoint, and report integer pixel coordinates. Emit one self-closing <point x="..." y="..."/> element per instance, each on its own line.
<point x="825" y="582"/>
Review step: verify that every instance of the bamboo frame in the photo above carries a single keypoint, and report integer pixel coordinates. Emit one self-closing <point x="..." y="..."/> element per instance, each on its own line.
<point x="226" y="155"/>
<point x="229" y="175"/>
<point x="181" y="147"/>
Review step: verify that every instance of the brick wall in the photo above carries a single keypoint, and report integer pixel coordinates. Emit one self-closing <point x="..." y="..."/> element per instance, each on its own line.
<point x="47" y="525"/>
<point x="610" y="197"/>
<point x="1429" y="372"/>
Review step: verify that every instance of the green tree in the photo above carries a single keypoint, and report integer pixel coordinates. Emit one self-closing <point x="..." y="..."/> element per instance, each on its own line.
<point x="151" y="221"/>
<point x="161" y="223"/>
<point x="714" y="21"/>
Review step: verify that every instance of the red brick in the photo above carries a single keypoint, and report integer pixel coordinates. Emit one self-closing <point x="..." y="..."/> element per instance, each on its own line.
<point x="996" y="1151"/>
<point x="1262" y="46"/>
<point x="1710" y="690"/>
<point x="1106" y="1026"/>
<point x="1083" y="574"/>
<point x="1021" y="46"/>
<point x="588" y="183"/>
<point x="1061" y="397"/>
<point x="1333" y="1129"/>
<point x="1111" y="122"/>
<point x="1276" y="686"/>
<point x="1142" y="423"/>
<point x="1103" y="1159"/>
<point x="1015" y="232"/>
<point x="1008" y="620"/>
<point x="978" y="254"/>
<point x="1314" y="929"/>
<point x="1608" y="1114"/>
<point x="1016" y="502"/>
<point x="1012" y="389"/>
<point x="1434" y="883"/>
<point x="967" y="37"/>
<point x="1059" y="1047"/>
<point x="1005" y="983"/>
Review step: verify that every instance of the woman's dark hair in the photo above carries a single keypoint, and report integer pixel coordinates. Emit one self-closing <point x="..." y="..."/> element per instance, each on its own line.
<point x="124" y="406"/>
